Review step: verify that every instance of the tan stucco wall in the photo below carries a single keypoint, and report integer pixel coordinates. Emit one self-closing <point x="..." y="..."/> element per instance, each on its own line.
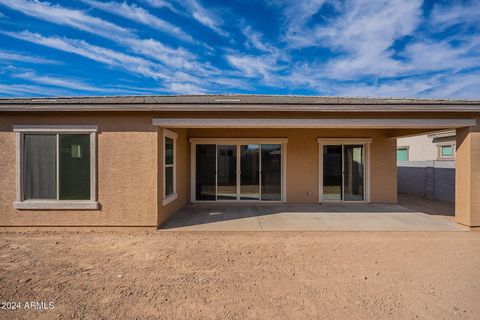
<point x="127" y="166"/>
<point x="182" y="172"/>
<point x="467" y="177"/>
<point x="302" y="158"/>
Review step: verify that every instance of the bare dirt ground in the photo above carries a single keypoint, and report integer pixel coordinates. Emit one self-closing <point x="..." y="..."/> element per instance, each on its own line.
<point x="240" y="275"/>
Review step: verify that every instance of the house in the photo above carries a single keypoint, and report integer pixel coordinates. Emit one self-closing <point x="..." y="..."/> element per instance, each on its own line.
<point x="134" y="161"/>
<point x="436" y="146"/>
<point x="426" y="165"/>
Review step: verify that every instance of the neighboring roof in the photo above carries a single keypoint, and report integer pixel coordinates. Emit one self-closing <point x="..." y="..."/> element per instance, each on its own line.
<point x="237" y="103"/>
<point x="443" y="134"/>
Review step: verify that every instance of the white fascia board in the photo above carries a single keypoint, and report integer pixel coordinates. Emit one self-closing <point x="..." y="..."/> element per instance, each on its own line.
<point x="313" y="123"/>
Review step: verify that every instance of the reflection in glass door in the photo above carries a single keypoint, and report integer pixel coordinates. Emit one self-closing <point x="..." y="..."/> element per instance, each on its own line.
<point x="271" y="172"/>
<point x="343" y="172"/>
<point x="226" y="172"/>
<point x="250" y="172"/>
<point x="205" y="187"/>
<point x="332" y="172"/>
<point x="353" y="173"/>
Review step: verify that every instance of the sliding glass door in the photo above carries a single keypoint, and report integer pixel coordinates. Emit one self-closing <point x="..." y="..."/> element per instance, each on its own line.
<point x="227" y="172"/>
<point x="332" y="173"/>
<point x="250" y="172"/>
<point x="271" y="172"/>
<point x="343" y="172"/>
<point x="353" y="172"/>
<point x="205" y="172"/>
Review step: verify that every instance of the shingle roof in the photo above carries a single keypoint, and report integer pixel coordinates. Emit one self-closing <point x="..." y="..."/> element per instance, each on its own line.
<point x="234" y="103"/>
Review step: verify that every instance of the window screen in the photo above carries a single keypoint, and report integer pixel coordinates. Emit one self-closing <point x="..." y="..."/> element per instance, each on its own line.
<point x="40" y="166"/>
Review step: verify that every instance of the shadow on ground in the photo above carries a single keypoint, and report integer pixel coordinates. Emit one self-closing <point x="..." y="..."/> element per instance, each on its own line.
<point x="304" y="217"/>
<point x="432" y="207"/>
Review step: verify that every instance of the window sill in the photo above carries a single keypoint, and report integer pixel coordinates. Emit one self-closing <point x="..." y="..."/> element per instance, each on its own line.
<point x="169" y="199"/>
<point x="53" y="205"/>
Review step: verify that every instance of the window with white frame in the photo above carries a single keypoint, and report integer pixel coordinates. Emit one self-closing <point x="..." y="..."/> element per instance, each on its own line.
<point x="446" y="151"/>
<point x="56" y="167"/>
<point x="169" y="176"/>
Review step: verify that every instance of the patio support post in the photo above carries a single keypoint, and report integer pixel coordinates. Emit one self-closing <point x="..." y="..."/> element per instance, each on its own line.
<point x="467" y="177"/>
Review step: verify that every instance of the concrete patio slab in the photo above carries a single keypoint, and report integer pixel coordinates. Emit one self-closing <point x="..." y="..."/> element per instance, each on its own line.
<point x="311" y="217"/>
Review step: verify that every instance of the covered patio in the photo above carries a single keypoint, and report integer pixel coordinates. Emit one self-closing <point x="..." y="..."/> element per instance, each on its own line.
<point x="306" y="217"/>
<point x="299" y="173"/>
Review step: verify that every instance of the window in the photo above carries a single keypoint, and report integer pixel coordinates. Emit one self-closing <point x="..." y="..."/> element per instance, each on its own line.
<point x="446" y="151"/>
<point x="169" y="176"/>
<point x="402" y="154"/>
<point x="56" y="167"/>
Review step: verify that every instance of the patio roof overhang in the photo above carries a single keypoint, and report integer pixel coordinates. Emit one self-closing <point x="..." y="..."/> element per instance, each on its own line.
<point x="314" y="123"/>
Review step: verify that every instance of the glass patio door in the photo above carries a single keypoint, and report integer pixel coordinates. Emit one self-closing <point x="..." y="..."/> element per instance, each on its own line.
<point x="353" y="171"/>
<point x="227" y="172"/>
<point x="343" y="172"/>
<point x="332" y="173"/>
<point x="251" y="172"/>
<point x="271" y="178"/>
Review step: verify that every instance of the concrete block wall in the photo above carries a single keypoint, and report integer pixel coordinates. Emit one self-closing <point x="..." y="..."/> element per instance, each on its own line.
<point x="429" y="179"/>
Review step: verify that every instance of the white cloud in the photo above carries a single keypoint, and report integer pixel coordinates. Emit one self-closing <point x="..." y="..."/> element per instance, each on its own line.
<point x="74" y="85"/>
<point x="428" y="55"/>
<point x="132" y="64"/>
<point x="445" y="16"/>
<point x="363" y="35"/>
<point x="59" y="15"/>
<point x="253" y="66"/>
<point x="297" y="14"/>
<point x="109" y="57"/>
<point x="21" y="57"/>
<point x="255" y="40"/>
<point x="265" y="65"/>
<point x="161" y="4"/>
<point x="135" y="13"/>
<point x="461" y="86"/>
<point x="175" y="58"/>
<point x="62" y="82"/>
<point x="25" y="90"/>
<point x="184" y="88"/>
<point x="203" y="16"/>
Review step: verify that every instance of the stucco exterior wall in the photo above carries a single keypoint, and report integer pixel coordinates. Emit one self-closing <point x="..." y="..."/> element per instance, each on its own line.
<point x="467" y="180"/>
<point x="420" y="148"/>
<point x="127" y="165"/>
<point x="182" y="175"/>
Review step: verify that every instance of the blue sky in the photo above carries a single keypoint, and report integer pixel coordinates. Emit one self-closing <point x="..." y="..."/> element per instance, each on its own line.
<point x="389" y="48"/>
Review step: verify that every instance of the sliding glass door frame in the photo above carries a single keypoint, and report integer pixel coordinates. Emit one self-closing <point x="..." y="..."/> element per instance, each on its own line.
<point x="238" y="142"/>
<point x="365" y="142"/>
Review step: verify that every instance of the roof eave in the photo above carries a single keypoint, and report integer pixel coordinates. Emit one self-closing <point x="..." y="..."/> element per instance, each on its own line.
<point x="244" y="107"/>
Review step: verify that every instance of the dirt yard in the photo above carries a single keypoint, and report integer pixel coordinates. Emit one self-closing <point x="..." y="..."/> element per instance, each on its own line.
<point x="269" y="275"/>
